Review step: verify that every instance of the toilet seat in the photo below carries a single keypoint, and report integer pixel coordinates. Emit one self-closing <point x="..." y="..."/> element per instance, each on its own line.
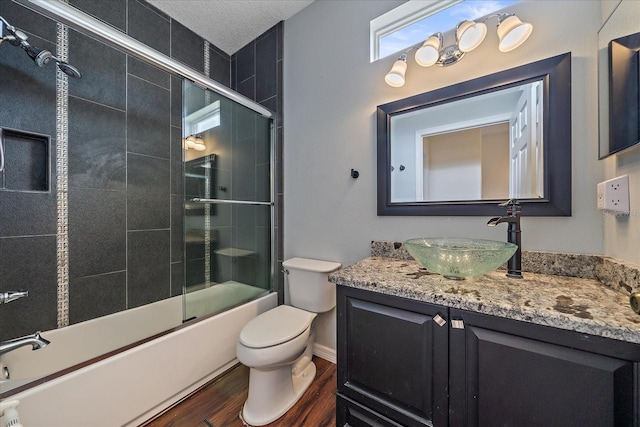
<point x="275" y="327"/>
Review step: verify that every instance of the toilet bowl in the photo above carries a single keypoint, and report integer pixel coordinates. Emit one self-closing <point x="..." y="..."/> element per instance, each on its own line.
<point x="277" y="345"/>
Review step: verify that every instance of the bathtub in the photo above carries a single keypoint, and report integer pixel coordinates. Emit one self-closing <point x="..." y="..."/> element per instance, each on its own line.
<point x="132" y="386"/>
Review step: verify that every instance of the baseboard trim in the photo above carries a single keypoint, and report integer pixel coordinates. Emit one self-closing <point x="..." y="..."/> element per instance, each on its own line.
<point x="326" y="353"/>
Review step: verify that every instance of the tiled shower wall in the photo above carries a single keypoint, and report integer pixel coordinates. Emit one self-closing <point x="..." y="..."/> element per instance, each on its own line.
<point x="123" y="171"/>
<point x="256" y="72"/>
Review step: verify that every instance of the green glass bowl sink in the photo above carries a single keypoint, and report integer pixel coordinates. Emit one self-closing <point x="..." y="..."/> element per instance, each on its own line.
<point x="457" y="258"/>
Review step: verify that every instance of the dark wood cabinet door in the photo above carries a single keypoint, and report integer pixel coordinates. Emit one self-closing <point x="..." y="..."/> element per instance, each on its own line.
<point x="502" y="378"/>
<point x="392" y="356"/>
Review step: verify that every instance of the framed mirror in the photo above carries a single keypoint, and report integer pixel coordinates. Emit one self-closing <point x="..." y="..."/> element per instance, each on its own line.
<point x="619" y="80"/>
<point x="463" y="149"/>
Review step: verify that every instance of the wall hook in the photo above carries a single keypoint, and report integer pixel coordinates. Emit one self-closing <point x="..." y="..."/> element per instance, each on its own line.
<point x="354" y="174"/>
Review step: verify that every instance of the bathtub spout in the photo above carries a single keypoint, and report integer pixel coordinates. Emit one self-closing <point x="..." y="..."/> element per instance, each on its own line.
<point x="35" y="340"/>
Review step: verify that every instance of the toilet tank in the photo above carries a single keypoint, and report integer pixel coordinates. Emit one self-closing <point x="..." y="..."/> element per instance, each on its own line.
<point x="309" y="286"/>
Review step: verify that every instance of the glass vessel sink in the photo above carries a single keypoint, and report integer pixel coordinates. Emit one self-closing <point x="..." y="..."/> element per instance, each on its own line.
<point x="457" y="258"/>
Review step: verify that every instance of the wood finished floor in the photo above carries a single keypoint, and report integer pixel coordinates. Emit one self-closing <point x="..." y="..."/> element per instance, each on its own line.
<point x="220" y="401"/>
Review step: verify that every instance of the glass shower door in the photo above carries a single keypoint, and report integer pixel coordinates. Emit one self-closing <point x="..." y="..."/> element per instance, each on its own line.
<point x="228" y="207"/>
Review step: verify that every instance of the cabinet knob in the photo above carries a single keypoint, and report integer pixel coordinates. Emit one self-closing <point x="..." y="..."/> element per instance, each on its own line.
<point x="439" y="320"/>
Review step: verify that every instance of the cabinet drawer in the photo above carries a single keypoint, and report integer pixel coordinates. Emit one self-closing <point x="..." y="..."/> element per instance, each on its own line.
<point x="350" y="413"/>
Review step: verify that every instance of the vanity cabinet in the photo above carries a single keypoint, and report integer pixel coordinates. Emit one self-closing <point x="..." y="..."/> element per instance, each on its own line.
<point x="392" y="361"/>
<point x="398" y="366"/>
<point x="509" y="373"/>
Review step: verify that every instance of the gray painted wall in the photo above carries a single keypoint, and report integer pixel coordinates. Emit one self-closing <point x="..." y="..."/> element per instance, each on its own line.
<point x="331" y="94"/>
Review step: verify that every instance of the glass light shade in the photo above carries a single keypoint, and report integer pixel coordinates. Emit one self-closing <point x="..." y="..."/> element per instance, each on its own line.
<point x="470" y="34"/>
<point x="429" y="53"/>
<point x="195" y="143"/>
<point x="395" y="77"/>
<point x="512" y="32"/>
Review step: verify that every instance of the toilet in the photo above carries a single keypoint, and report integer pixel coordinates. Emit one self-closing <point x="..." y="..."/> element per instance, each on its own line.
<point x="277" y="345"/>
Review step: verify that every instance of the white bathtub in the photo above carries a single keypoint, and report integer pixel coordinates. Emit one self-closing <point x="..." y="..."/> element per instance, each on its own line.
<point x="130" y="387"/>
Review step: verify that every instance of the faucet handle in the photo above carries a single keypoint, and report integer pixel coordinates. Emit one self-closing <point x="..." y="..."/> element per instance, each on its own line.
<point x="513" y="207"/>
<point x="510" y="202"/>
<point x="9" y="296"/>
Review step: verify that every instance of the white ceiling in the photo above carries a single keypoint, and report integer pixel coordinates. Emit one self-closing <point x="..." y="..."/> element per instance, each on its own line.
<point x="230" y="24"/>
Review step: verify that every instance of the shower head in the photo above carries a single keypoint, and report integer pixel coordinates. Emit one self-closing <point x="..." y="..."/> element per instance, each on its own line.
<point x="69" y="69"/>
<point x="41" y="57"/>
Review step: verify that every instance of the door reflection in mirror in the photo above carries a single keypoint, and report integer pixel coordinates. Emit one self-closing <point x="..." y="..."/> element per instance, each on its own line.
<point x="479" y="148"/>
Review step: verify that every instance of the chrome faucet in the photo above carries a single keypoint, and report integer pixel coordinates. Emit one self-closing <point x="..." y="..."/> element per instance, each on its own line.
<point x="35" y="340"/>
<point x="514" y="235"/>
<point x="9" y="296"/>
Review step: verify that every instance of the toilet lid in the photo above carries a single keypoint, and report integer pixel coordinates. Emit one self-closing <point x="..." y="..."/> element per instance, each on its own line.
<point x="275" y="326"/>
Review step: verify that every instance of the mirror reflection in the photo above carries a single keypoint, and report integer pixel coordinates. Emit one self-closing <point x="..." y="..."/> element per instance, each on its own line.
<point x="484" y="147"/>
<point x="618" y="80"/>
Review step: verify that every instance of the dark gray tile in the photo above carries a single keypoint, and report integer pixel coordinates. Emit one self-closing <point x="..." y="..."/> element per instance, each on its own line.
<point x="149" y="268"/>
<point x="248" y="88"/>
<point x="96" y="296"/>
<point x="186" y="46"/>
<point x="279" y="27"/>
<point x="219" y="67"/>
<point x="244" y="123"/>
<point x="280" y="110"/>
<point x="263" y="257"/>
<point x="177" y="278"/>
<point x="113" y="12"/>
<point x="177" y="229"/>
<point x="266" y="68"/>
<point x="97" y="232"/>
<point x="177" y="176"/>
<point x="244" y="170"/>
<point x="148" y="72"/>
<point x="103" y="71"/>
<point x="28" y="100"/>
<point x="245" y="62"/>
<point x="148" y="193"/>
<point x="41" y="207"/>
<point x="147" y="25"/>
<point x="148" y="119"/>
<point x="176" y="102"/>
<point x="234" y="73"/>
<point x="263" y="183"/>
<point x="279" y="162"/>
<point x="29" y="263"/>
<point x="28" y="165"/>
<point x="97" y="153"/>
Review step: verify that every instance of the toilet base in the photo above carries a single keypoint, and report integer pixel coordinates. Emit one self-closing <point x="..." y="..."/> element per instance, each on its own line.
<point x="272" y="393"/>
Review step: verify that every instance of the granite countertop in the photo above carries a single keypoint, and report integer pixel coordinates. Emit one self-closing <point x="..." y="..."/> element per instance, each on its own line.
<point x="578" y="304"/>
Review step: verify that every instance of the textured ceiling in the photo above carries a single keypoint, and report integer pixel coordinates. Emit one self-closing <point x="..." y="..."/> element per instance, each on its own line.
<point x="230" y="24"/>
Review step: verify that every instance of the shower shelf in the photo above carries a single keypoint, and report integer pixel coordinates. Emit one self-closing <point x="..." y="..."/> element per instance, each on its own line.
<point x="231" y="202"/>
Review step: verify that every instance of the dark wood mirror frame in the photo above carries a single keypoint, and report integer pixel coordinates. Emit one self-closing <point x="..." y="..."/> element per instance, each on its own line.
<point x="555" y="74"/>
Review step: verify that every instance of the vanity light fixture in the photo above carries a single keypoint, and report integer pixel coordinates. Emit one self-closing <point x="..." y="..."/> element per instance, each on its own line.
<point x="512" y="32"/>
<point x="194" y="141"/>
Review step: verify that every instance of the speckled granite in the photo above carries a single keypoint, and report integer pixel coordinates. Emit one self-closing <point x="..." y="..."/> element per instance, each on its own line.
<point x="618" y="275"/>
<point x="571" y="303"/>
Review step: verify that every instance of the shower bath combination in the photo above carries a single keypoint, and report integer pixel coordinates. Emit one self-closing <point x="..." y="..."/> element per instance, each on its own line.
<point x="41" y="57"/>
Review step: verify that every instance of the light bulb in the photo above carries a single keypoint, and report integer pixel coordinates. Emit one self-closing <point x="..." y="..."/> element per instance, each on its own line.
<point x="470" y="34"/>
<point x="395" y="77"/>
<point x="429" y="53"/>
<point x="512" y="32"/>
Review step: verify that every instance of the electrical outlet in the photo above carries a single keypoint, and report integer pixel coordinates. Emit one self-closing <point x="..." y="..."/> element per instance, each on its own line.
<point x="613" y="195"/>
